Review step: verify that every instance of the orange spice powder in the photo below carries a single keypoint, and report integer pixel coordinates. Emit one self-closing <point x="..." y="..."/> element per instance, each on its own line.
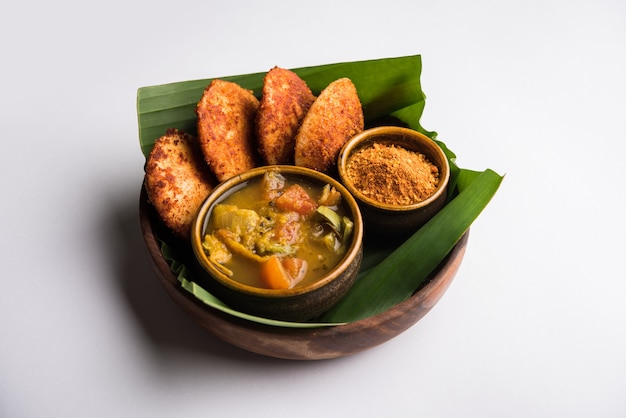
<point x="392" y="174"/>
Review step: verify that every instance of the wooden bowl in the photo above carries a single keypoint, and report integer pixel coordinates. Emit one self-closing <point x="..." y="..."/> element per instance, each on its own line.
<point x="300" y="343"/>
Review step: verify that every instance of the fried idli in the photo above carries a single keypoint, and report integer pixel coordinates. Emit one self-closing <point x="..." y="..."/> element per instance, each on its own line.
<point x="226" y="120"/>
<point x="334" y="117"/>
<point x="177" y="180"/>
<point x="285" y="100"/>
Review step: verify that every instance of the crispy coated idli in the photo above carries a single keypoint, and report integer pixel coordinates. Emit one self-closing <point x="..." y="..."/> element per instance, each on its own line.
<point x="226" y="119"/>
<point x="177" y="180"/>
<point x="285" y="100"/>
<point x="334" y="117"/>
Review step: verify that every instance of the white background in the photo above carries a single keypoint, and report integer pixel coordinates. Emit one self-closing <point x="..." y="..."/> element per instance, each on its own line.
<point x="534" y="325"/>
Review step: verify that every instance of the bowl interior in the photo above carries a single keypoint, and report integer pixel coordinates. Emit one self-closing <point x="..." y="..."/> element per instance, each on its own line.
<point x="228" y="187"/>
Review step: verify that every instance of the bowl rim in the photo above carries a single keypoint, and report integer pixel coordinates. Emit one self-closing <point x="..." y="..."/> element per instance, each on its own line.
<point x="238" y="181"/>
<point x="370" y="135"/>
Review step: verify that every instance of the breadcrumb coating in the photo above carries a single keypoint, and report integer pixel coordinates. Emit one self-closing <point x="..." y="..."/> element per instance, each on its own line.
<point x="177" y="180"/>
<point x="226" y="119"/>
<point x="334" y="117"/>
<point x="285" y="100"/>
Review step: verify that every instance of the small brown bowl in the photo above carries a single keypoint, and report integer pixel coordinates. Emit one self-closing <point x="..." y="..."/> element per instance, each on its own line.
<point x="389" y="220"/>
<point x="299" y="303"/>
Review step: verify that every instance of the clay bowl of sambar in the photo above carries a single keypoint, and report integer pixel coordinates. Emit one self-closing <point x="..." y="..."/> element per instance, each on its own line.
<point x="398" y="176"/>
<point x="281" y="242"/>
